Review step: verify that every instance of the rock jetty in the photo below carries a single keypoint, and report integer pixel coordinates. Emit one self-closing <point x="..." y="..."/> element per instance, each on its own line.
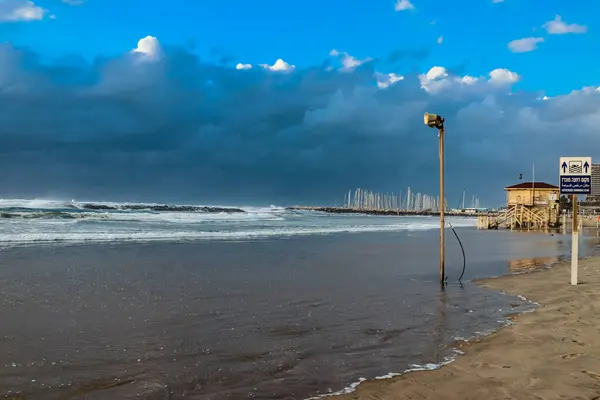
<point x="345" y="210"/>
<point x="159" y="207"/>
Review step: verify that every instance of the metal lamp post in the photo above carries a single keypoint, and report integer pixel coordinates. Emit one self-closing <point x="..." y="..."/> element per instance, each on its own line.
<point x="436" y="121"/>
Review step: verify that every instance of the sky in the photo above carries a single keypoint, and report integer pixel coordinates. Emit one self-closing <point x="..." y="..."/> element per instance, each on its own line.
<point x="270" y="102"/>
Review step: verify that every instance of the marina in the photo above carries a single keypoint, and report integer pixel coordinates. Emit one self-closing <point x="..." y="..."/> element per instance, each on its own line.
<point x="407" y="203"/>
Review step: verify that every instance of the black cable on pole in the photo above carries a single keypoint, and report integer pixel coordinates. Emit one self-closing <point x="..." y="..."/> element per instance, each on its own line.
<point x="463" y="252"/>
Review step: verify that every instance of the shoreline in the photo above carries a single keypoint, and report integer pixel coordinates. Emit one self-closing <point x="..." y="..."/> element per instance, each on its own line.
<point x="550" y="352"/>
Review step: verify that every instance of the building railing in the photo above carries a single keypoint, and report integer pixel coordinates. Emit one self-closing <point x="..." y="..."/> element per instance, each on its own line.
<point x="538" y="201"/>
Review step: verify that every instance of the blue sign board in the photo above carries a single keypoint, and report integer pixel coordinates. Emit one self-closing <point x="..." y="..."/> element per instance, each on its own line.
<point x="575" y="184"/>
<point x="575" y="175"/>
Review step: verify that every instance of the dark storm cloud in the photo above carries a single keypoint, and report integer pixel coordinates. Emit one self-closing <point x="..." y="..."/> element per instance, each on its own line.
<point x="166" y="126"/>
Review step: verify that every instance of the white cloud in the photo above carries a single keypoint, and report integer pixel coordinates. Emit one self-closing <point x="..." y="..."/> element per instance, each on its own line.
<point x="243" y="66"/>
<point x="440" y="40"/>
<point x="20" y="10"/>
<point x="558" y="27"/>
<point x="435" y="73"/>
<point x="348" y="62"/>
<point x="149" y="47"/>
<point x="386" y="80"/>
<point x="468" y="80"/>
<point x="438" y="79"/>
<point x="524" y="45"/>
<point x="503" y="75"/>
<point x="403" y="5"/>
<point x="280" y="66"/>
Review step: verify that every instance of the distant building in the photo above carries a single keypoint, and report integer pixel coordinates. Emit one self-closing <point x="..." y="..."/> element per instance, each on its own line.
<point x="595" y="180"/>
<point x="594" y="196"/>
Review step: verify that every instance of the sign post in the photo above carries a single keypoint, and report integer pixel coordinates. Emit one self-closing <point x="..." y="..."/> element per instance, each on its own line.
<point x="575" y="178"/>
<point x="574" y="242"/>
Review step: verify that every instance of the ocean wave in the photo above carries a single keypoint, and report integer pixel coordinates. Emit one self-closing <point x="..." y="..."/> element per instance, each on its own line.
<point x="35" y="204"/>
<point x="167" y="235"/>
<point x="136" y="212"/>
<point x="148" y="216"/>
<point x="51" y="215"/>
<point x="158" y="208"/>
<point x="36" y="221"/>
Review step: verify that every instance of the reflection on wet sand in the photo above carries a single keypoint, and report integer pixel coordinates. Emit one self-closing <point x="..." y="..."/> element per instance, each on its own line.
<point x="531" y="264"/>
<point x="441" y="325"/>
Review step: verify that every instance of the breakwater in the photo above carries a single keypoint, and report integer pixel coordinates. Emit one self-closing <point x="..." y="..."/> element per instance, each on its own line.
<point x="346" y="210"/>
<point x="158" y="208"/>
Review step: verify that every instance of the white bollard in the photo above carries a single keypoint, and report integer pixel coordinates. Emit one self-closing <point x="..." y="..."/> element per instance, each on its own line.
<point x="574" y="257"/>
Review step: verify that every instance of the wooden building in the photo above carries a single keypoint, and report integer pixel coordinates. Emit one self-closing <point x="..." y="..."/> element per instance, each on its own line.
<point x="532" y="194"/>
<point x="529" y="205"/>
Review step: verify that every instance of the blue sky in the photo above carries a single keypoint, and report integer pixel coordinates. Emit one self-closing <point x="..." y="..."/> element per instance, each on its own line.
<point x="177" y="100"/>
<point x="475" y="34"/>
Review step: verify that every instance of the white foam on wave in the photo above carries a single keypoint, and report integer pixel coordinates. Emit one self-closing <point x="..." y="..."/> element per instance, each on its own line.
<point x="264" y="215"/>
<point x="143" y="215"/>
<point x="155" y="217"/>
<point x="190" y="217"/>
<point x="60" y="204"/>
<point x="262" y="210"/>
<point x="33" y="203"/>
<point x="146" y="225"/>
<point x="413" y="368"/>
<point x="165" y="235"/>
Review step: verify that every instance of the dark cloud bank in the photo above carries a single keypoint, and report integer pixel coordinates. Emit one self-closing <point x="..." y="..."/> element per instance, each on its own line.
<point x="166" y="126"/>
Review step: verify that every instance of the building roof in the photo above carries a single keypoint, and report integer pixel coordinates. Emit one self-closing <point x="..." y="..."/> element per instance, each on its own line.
<point x="529" y="185"/>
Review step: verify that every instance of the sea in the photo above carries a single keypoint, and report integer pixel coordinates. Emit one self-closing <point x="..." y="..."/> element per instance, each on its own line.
<point x="106" y="300"/>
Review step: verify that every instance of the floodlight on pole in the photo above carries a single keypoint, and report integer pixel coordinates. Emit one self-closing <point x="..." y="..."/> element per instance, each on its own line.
<point x="437" y="121"/>
<point x="434" y="120"/>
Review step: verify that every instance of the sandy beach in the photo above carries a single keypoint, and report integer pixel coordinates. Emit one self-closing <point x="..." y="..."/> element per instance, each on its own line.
<point x="551" y="353"/>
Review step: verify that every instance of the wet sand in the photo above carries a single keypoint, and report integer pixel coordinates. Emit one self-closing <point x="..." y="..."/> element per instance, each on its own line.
<point x="551" y="353"/>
